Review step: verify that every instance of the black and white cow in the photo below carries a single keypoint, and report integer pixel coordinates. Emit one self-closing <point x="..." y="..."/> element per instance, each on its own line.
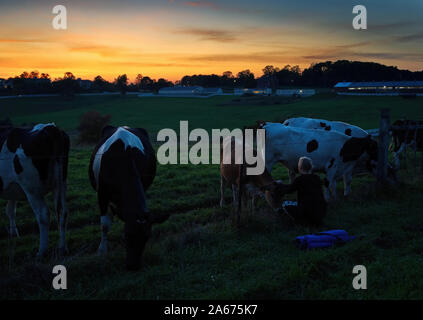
<point x="34" y="162"/>
<point x="326" y="125"/>
<point x="331" y="152"/>
<point x="404" y="137"/>
<point x="122" y="168"/>
<point x="320" y="124"/>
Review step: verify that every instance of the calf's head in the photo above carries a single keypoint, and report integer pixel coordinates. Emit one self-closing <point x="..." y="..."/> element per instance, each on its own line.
<point x="274" y="194"/>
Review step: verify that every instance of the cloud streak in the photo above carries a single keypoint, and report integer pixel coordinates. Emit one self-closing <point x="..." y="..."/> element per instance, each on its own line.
<point x="209" y="34"/>
<point x="220" y="7"/>
<point x="410" y="37"/>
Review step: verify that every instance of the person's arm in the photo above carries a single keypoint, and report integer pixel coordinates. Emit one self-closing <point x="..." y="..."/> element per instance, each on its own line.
<point x="289" y="188"/>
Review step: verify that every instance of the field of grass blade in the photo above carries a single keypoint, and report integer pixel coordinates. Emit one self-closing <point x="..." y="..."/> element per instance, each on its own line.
<point x="199" y="253"/>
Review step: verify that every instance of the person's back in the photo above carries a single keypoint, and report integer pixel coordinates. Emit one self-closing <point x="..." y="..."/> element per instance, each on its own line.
<point x="311" y="201"/>
<point x="311" y="207"/>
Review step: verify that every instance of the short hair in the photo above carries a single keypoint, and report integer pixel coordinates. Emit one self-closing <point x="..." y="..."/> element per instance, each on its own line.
<point x="305" y="164"/>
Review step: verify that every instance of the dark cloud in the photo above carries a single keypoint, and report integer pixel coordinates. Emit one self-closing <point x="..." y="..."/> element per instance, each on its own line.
<point x="390" y="26"/>
<point x="244" y="8"/>
<point x="209" y="34"/>
<point x="335" y="55"/>
<point x="390" y="56"/>
<point x="355" y="45"/>
<point x="262" y="57"/>
<point x="201" y="4"/>
<point x="410" y="37"/>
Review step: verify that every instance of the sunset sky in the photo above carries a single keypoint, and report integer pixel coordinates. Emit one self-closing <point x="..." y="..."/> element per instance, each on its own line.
<point x="173" y="38"/>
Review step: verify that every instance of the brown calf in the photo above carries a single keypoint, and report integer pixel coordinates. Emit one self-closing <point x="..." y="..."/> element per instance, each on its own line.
<point x="234" y="175"/>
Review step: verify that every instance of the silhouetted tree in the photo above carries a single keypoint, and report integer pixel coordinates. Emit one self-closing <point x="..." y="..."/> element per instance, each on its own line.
<point x="270" y="70"/>
<point x="121" y="83"/>
<point x="147" y="83"/>
<point x="246" y="79"/>
<point x="67" y="86"/>
<point x="138" y="80"/>
<point x="99" y="84"/>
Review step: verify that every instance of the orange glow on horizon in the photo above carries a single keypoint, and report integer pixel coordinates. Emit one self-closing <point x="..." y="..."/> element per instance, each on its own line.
<point x="171" y="41"/>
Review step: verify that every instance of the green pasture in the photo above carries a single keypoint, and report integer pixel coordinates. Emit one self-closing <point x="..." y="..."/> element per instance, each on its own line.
<point x="199" y="253"/>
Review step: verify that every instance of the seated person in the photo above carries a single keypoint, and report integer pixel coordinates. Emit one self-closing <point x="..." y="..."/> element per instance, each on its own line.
<point x="311" y="204"/>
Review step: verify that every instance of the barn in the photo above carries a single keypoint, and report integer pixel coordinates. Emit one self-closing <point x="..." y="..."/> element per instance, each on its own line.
<point x="296" y="92"/>
<point x="181" y="91"/>
<point x="212" y="91"/>
<point x="240" y="92"/>
<point x="387" y="88"/>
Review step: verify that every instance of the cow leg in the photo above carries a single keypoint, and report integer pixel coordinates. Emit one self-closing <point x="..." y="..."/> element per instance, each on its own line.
<point x="292" y="175"/>
<point x="62" y="216"/>
<point x="347" y="184"/>
<point x="105" y="222"/>
<point x="332" y="187"/>
<point x="11" y="213"/>
<point x="253" y="203"/>
<point x="330" y="184"/>
<point x="397" y="155"/>
<point x="222" y="191"/>
<point x="235" y="195"/>
<point x="236" y="205"/>
<point x="327" y="194"/>
<point x="42" y="215"/>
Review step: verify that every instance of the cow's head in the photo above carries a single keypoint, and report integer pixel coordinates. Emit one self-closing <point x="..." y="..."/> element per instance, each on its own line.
<point x="372" y="150"/>
<point x="137" y="234"/>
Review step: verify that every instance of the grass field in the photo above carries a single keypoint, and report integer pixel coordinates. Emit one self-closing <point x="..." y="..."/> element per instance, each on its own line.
<point x="198" y="253"/>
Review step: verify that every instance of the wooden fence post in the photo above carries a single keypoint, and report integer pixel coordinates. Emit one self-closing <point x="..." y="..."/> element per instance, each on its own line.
<point x="421" y="162"/>
<point x="383" y="145"/>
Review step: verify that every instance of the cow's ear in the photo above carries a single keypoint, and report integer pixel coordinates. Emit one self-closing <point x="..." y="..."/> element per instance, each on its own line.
<point x="107" y="131"/>
<point x="158" y="217"/>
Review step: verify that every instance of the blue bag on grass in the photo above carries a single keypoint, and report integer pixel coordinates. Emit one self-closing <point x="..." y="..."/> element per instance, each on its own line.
<point x="323" y="239"/>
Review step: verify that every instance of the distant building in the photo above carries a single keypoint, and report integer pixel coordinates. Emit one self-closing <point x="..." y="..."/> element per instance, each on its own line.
<point x="389" y="88"/>
<point x="2" y="83"/>
<point x="181" y="91"/>
<point x="296" y="92"/>
<point x="84" y="84"/>
<point x="267" y="81"/>
<point x="240" y="92"/>
<point x="212" y="91"/>
<point x="8" y="83"/>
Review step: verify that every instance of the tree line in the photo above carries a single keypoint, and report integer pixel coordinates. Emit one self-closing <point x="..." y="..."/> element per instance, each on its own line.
<point x="323" y="74"/>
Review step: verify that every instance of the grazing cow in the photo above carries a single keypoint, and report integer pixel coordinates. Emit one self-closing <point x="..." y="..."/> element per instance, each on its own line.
<point x="122" y="168"/>
<point x="338" y="126"/>
<point x="331" y="152"/>
<point x="34" y="162"/>
<point x="234" y="174"/>
<point x="404" y="137"/>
